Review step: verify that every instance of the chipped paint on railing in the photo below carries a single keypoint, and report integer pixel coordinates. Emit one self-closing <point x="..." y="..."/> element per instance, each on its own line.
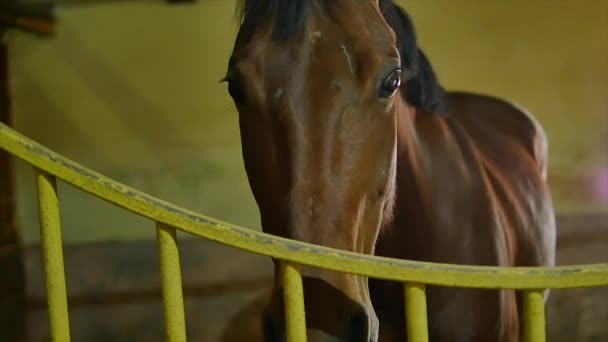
<point x="303" y="253"/>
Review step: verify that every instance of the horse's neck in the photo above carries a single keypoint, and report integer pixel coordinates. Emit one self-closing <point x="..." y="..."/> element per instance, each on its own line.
<point x="400" y="238"/>
<point x="440" y="191"/>
<point x="427" y="164"/>
<point x="411" y="152"/>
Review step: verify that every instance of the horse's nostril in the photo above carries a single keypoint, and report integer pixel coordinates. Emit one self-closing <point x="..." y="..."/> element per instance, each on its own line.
<point x="359" y="327"/>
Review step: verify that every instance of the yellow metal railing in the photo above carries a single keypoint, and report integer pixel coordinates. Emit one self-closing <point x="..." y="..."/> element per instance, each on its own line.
<point x="413" y="274"/>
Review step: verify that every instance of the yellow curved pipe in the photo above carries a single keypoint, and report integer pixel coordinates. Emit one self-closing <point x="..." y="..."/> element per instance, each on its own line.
<point x="488" y="277"/>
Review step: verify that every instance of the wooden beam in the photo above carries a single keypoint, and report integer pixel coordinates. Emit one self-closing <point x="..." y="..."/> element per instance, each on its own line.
<point x="12" y="272"/>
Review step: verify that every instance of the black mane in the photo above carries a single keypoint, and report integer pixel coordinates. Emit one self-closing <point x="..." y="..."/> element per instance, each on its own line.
<point x="423" y="89"/>
<point x="289" y="15"/>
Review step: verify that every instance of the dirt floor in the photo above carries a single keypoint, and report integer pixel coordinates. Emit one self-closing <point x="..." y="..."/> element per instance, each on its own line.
<point x="114" y="290"/>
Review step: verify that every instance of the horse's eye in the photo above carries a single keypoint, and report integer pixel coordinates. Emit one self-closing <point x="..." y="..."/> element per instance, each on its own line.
<point x="235" y="90"/>
<point x="391" y="83"/>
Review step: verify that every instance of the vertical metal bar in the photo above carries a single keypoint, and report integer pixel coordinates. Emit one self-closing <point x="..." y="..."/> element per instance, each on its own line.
<point x="52" y="252"/>
<point x="416" y="313"/>
<point x="534" y="316"/>
<point x="171" y="283"/>
<point x="295" y="318"/>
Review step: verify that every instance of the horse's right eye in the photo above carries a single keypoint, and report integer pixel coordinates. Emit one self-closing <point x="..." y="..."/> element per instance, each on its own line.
<point x="236" y="91"/>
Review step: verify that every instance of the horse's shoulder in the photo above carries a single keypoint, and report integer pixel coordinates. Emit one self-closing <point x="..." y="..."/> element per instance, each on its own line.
<point x="486" y="117"/>
<point x="513" y="148"/>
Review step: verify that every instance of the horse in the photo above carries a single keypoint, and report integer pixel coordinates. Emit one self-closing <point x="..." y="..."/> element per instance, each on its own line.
<point x="350" y="141"/>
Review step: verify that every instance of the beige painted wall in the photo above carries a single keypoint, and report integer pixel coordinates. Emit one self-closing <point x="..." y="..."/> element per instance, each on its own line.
<point x="132" y="91"/>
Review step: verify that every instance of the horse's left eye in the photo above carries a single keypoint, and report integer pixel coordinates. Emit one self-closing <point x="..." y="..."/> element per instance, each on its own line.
<point x="391" y="83"/>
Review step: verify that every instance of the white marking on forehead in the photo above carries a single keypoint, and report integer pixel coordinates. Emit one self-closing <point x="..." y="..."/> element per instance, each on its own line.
<point x="348" y="59"/>
<point x="315" y="35"/>
<point x="277" y="94"/>
<point x="338" y="85"/>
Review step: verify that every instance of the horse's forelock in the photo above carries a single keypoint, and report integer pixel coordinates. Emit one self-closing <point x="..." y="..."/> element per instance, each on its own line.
<point x="288" y="16"/>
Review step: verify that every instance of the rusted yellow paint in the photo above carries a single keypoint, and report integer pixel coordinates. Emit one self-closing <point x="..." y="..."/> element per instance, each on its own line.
<point x="171" y="283"/>
<point x="534" y="316"/>
<point x="416" y="313"/>
<point x="293" y="292"/>
<point x="572" y="276"/>
<point x="52" y="253"/>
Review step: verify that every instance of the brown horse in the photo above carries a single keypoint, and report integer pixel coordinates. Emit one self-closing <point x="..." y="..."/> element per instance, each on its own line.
<point x="349" y="141"/>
